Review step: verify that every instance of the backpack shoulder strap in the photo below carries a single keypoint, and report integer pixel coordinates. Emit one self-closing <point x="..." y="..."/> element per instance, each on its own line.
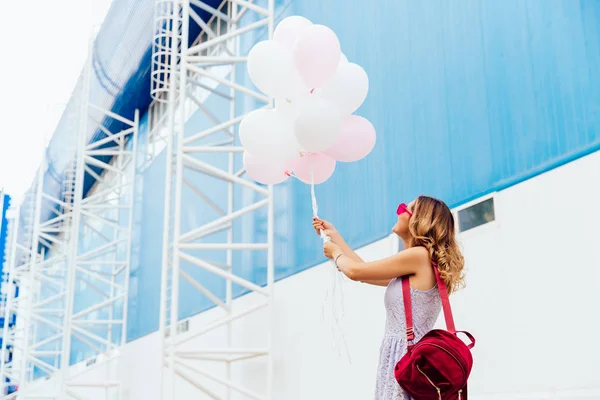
<point x="450" y="327"/>
<point x="410" y="333"/>
<point x="445" y="300"/>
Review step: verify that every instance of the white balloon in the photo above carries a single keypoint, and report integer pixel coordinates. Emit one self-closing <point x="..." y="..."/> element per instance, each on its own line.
<point x="287" y="109"/>
<point x="271" y="69"/>
<point x="268" y="136"/>
<point x="317" y="125"/>
<point x="289" y="30"/>
<point x="291" y="106"/>
<point x="343" y="60"/>
<point x="347" y="88"/>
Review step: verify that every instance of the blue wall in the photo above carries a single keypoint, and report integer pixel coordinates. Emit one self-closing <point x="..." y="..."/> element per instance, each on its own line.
<point x="467" y="97"/>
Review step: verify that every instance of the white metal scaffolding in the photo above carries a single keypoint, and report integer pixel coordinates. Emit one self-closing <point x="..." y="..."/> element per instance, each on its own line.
<point x="33" y="355"/>
<point x="32" y="358"/>
<point x="187" y="76"/>
<point x="45" y="290"/>
<point x="74" y="271"/>
<point x="100" y="254"/>
<point x="9" y="303"/>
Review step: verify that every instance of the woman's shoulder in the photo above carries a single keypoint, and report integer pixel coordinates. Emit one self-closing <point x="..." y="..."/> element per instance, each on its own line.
<point x="423" y="279"/>
<point x="419" y="254"/>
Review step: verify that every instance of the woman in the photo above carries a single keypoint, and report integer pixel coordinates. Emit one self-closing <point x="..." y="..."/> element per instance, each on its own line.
<point x="426" y="226"/>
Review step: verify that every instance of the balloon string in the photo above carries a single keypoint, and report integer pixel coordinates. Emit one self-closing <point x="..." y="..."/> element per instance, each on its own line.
<point x="336" y="330"/>
<point x="315" y="206"/>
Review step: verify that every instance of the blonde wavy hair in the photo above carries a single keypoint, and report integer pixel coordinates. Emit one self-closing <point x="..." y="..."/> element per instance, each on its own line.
<point x="432" y="226"/>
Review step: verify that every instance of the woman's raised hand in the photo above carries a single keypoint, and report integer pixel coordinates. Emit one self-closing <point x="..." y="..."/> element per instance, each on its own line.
<point x="325" y="226"/>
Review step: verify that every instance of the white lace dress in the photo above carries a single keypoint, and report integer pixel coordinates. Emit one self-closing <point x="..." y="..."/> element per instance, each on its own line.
<point x="426" y="309"/>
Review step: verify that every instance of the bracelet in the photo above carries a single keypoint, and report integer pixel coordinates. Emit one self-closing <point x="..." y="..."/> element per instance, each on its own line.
<point x="335" y="260"/>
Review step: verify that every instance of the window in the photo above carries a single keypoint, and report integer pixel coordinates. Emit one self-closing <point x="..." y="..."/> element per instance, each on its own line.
<point x="476" y="215"/>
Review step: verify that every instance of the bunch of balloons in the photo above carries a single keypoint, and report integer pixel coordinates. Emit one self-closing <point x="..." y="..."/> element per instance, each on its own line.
<point x="316" y="90"/>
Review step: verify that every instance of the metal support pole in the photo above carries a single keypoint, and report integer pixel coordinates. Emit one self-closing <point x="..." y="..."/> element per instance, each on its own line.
<point x="75" y="225"/>
<point x="31" y="286"/>
<point x="180" y="125"/>
<point x="167" y="250"/>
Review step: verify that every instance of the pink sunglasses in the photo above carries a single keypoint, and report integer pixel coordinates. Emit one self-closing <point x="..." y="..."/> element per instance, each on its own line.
<point x="403" y="208"/>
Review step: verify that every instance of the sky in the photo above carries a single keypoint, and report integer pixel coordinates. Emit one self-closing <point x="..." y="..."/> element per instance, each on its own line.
<point x="45" y="44"/>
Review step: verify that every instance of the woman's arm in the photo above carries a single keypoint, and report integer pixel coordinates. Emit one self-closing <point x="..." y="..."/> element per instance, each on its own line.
<point x="407" y="262"/>
<point x="329" y="229"/>
<point x="346" y="249"/>
<point x="380" y="282"/>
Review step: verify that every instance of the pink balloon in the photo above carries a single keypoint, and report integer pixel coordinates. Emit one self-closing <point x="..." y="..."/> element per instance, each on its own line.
<point x="268" y="173"/>
<point x="317" y="55"/>
<point x="322" y="165"/>
<point x="355" y="141"/>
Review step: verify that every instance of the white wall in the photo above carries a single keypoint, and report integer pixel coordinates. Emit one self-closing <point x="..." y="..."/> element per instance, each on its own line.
<point x="306" y="361"/>
<point x="534" y="289"/>
<point x="531" y="301"/>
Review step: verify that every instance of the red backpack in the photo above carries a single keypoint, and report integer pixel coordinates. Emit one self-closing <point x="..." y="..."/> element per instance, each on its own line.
<point x="438" y="366"/>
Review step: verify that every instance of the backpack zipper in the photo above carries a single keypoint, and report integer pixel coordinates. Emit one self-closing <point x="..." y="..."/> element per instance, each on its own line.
<point x="431" y="382"/>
